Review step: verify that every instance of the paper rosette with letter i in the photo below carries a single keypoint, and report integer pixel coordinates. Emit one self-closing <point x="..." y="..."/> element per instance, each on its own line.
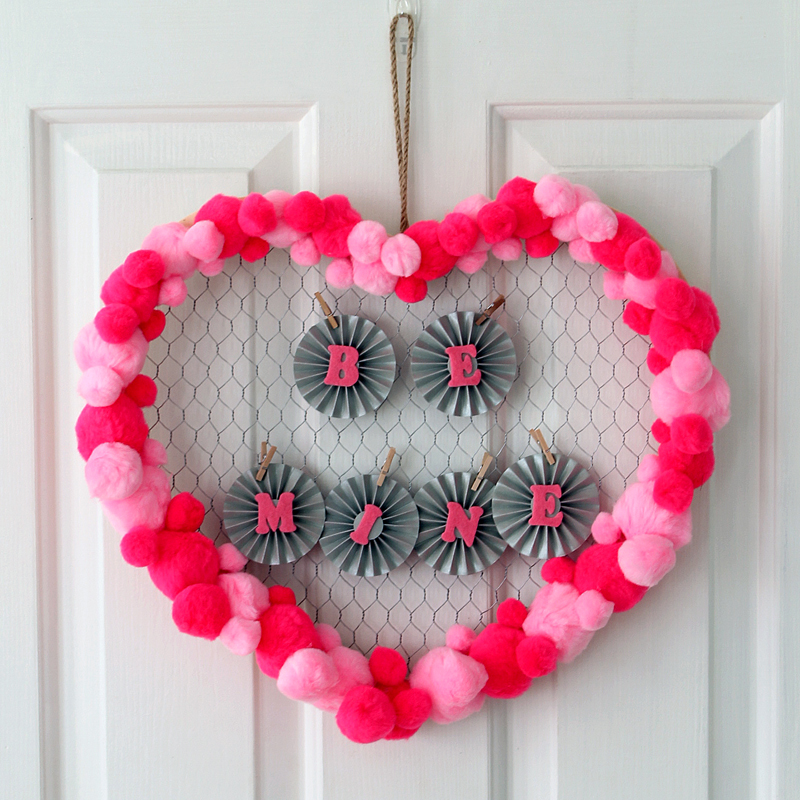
<point x="457" y="534"/>
<point x="345" y="371"/>
<point x="461" y="367"/>
<point x="369" y="529"/>
<point x="275" y="520"/>
<point x="545" y="510"/>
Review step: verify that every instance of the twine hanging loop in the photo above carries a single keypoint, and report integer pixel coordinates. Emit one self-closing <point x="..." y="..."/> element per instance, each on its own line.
<point x="401" y="126"/>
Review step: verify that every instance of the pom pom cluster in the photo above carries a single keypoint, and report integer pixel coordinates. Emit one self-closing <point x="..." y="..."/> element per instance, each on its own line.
<point x="634" y="545"/>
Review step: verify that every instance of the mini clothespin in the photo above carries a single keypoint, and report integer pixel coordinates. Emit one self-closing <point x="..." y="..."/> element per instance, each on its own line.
<point x="386" y="466"/>
<point x="537" y="434"/>
<point x="326" y="310"/>
<point x="485" y="464"/>
<point x="489" y="311"/>
<point x="266" y="457"/>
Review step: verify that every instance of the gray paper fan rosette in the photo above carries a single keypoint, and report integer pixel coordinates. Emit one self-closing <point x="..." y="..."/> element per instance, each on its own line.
<point x="240" y="515"/>
<point x="494" y="358"/>
<point x="392" y="536"/>
<point x="579" y="504"/>
<point x="457" y="557"/>
<point x="376" y="367"/>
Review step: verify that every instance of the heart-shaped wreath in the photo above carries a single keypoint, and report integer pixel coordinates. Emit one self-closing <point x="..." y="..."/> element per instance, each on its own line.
<point x="634" y="545"/>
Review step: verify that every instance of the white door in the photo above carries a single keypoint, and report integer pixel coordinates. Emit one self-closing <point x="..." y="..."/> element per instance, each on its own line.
<point x="123" y="116"/>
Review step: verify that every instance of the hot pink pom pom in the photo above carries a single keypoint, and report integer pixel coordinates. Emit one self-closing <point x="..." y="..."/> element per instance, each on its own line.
<point x="413" y="707"/>
<point x="247" y="596"/>
<point x="637" y="513"/>
<point x="185" y="513"/>
<point x="241" y="636"/>
<point x="388" y="667"/>
<point x="472" y="262"/>
<point x="435" y="261"/>
<point x="604" y="529"/>
<point x="458" y="234"/>
<point x="495" y="647"/>
<point x="596" y="222"/>
<point x="373" y="278"/>
<point x="117" y="290"/>
<point x="201" y="610"/>
<point x="558" y="570"/>
<point x="512" y="612"/>
<point x="508" y="249"/>
<point x="366" y="240"/>
<point x="211" y="268"/>
<point x="146" y="506"/>
<point x="581" y="250"/>
<point x="691" y="434"/>
<point x="536" y="655"/>
<point x="142" y="390"/>
<point x="697" y="467"/>
<point x="232" y="560"/>
<point x="284" y="630"/>
<point x="542" y="246"/>
<point x="282" y="596"/>
<point x="611" y="253"/>
<point x="168" y="241"/>
<point x="139" y="546"/>
<point x="555" y="196"/>
<point x="593" y="610"/>
<point x="691" y="370"/>
<point x="518" y="193"/>
<point x="256" y="215"/>
<point x="675" y="299"/>
<point x="305" y="252"/>
<point x="122" y="421"/>
<point x="339" y="273"/>
<point x="366" y="715"/>
<point x="173" y="291"/>
<point x="223" y="211"/>
<point x="307" y="674"/>
<point x="204" y="241"/>
<point x="661" y="432"/>
<point x="598" y="568"/>
<point x="154" y="326"/>
<point x="672" y="490"/>
<point x="497" y="221"/>
<point x="471" y="206"/>
<point x="100" y="386"/>
<point x="460" y="638"/>
<point x="400" y="255"/>
<point x="643" y="259"/>
<point x="143" y="268"/>
<point x="340" y="219"/>
<point x="637" y="317"/>
<point x="329" y="636"/>
<point x="411" y="290"/>
<point x="126" y="359"/>
<point x="254" y="249"/>
<point x="305" y="212"/>
<point x="154" y="454"/>
<point x="113" y="471"/>
<point x="116" y="323"/>
<point x="645" y="560"/>
<point x="184" y="558"/>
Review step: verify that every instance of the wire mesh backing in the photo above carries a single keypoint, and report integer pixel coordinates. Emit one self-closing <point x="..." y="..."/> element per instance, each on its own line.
<point x="224" y="371"/>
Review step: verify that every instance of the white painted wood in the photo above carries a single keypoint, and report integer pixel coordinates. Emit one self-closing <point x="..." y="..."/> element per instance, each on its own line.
<point x="122" y="117"/>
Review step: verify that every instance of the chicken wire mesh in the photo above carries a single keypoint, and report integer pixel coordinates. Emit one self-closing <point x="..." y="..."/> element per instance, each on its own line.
<point x="224" y="372"/>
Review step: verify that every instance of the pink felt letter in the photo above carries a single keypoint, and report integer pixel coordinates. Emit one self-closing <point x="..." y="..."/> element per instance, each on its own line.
<point x="361" y="534"/>
<point x="457" y="520"/>
<point x="343" y="365"/>
<point x="272" y="517"/>
<point x="544" y="504"/>
<point x="463" y="365"/>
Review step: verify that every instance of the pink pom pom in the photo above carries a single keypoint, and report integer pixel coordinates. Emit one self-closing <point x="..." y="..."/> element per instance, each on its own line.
<point x="146" y="506"/>
<point x="305" y="212"/>
<point x="122" y="421"/>
<point x="116" y="323"/>
<point x="223" y="211"/>
<point x="201" y="610"/>
<point x="366" y="241"/>
<point x="204" y="241"/>
<point x="611" y="253"/>
<point x="597" y="568"/>
<point x="675" y="299"/>
<point x="353" y="670"/>
<point x="672" y="490"/>
<point x="692" y="434"/>
<point x="247" y="596"/>
<point x="305" y="252"/>
<point x="329" y="636"/>
<point x="648" y="470"/>
<point x="366" y="715"/>
<point x="173" y="291"/>
<point x="512" y="612"/>
<point x="435" y="261"/>
<point x="643" y="259"/>
<point x="637" y="513"/>
<point x="542" y="246"/>
<point x="555" y="196"/>
<point x="508" y="249"/>
<point x="388" y="667"/>
<point x="645" y="560"/>
<point x="142" y="390"/>
<point x="411" y="290"/>
<point x="211" y="268"/>
<point x="581" y="250"/>
<point x="518" y="193"/>
<point x="596" y="222"/>
<point x="185" y="513"/>
<point x="471" y="206"/>
<point x="282" y="596"/>
<point x="614" y="285"/>
<point x="565" y="226"/>
<point x="536" y="655"/>
<point x="241" y="636"/>
<point x="593" y="610"/>
<point x="113" y="471"/>
<point x="604" y="529"/>
<point x="284" y="630"/>
<point x="400" y="255"/>
<point x="139" y="546"/>
<point x="497" y="221"/>
<point x="168" y="241"/>
<point x="154" y="326"/>
<point x="553" y="615"/>
<point x="154" y="454"/>
<point x="100" y="386"/>
<point x="256" y="215"/>
<point x="143" y="268"/>
<point x="340" y="273"/>
<point x="460" y="638"/>
<point x="458" y="234"/>
<point x="711" y="402"/>
<point x="472" y="262"/>
<point x="232" y="560"/>
<point x="558" y="570"/>
<point x="691" y="370"/>
<point x="373" y="278"/>
<point x="307" y="674"/>
<point x="340" y="219"/>
<point x="126" y="359"/>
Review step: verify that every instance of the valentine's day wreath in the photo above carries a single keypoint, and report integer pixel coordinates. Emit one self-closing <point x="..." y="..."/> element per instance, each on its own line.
<point x="213" y="597"/>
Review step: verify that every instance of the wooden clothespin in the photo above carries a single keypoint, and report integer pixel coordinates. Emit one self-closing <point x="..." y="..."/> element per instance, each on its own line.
<point x="386" y="466"/>
<point x="265" y="460"/>
<point x="537" y="434"/>
<point x="326" y="310"/>
<point x="485" y="464"/>
<point x="489" y="311"/>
